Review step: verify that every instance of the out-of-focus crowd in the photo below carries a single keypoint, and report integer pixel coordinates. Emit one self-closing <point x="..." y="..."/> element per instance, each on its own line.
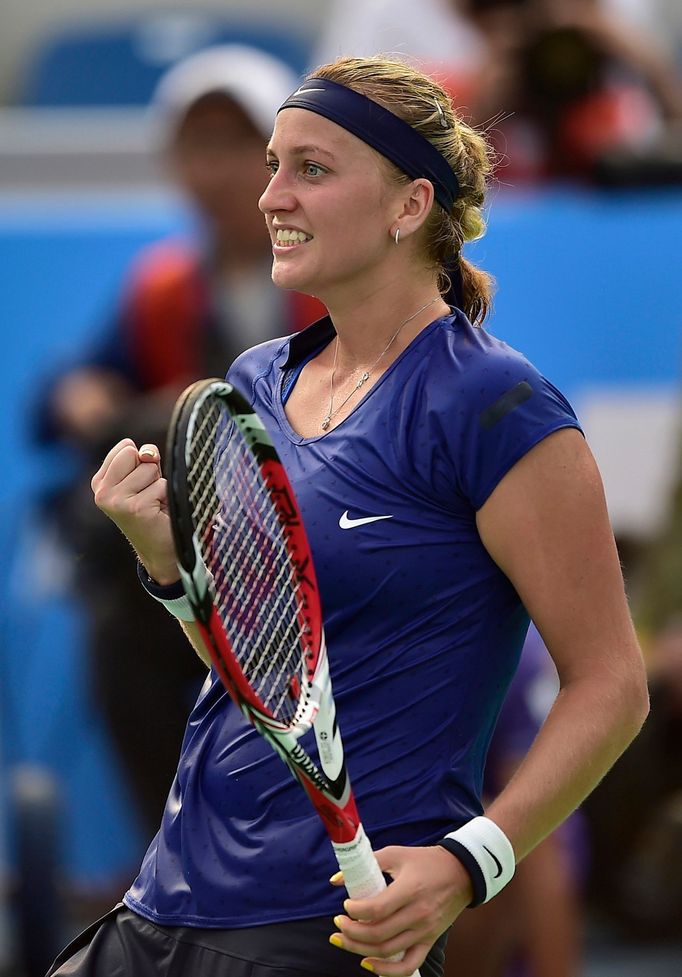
<point x="575" y="90"/>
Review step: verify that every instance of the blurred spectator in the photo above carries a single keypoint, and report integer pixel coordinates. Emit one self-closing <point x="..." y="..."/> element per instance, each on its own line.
<point x="532" y="928"/>
<point x="188" y="308"/>
<point x="657" y="603"/>
<point x="635" y="814"/>
<point x="573" y="93"/>
<point x="439" y="38"/>
<point x="661" y="19"/>
<point x="568" y="88"/>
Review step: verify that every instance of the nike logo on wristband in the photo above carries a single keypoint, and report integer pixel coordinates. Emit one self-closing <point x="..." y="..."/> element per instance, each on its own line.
<point x="345" y="522"/>
<point x="498" y="863"/>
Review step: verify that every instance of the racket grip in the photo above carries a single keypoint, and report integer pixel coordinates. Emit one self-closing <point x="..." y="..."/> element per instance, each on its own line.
<point x="361" y="873"/>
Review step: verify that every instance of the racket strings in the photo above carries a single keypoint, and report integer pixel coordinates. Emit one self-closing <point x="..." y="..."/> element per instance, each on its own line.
<point x="248" y="548"/>
<point x="254" y="581"/>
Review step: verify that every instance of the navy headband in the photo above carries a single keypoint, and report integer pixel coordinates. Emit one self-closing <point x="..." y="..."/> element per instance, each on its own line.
<point x="396" y="140"/>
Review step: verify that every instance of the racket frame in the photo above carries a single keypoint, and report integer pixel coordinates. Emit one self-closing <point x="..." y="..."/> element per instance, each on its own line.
<point x="329" y="788"/>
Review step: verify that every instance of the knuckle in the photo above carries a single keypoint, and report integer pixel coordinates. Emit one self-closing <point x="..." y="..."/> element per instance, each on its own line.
<point x="136" y="507"/>
<point x="423" y="913"/>
<point x="101" y="500"/>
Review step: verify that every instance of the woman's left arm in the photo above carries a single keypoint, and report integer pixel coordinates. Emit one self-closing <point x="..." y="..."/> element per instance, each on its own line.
<point x="547" y="527"/>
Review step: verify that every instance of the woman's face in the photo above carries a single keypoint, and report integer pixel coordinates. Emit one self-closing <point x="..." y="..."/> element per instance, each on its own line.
<point x="329" y="207"/>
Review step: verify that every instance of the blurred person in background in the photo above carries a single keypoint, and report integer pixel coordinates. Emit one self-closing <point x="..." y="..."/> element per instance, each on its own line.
<point x="571" y="92"/>
<point x="439" y="37"/>
<point x="188" y="308"/>
<point x="573" y="89"/>
<point x="534" y="927"/>
<point x="636" y="884"/>
<point x="661" y="19"/>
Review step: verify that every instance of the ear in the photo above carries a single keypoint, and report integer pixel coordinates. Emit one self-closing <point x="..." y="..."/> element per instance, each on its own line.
<point x="416" y="202"/>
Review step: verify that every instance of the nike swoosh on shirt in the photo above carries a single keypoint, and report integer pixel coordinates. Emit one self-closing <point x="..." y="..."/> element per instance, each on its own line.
<point x="345" y="522"/>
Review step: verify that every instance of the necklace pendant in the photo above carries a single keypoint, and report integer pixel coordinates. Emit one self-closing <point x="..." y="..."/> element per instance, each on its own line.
<point x="326" y="422"/>
<point x="363" y="379"/>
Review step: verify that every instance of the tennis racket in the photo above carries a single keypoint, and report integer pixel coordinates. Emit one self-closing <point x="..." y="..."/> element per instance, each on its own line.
<point x="248" y="572"/>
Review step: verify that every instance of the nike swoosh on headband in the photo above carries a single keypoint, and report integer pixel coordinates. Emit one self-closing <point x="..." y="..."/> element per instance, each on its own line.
<point x="345" y="522"/>
<point x="380" y="128"/>
<point x="300" y="91"/>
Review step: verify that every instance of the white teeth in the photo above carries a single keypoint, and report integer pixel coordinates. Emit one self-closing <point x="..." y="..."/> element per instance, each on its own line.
<point x="285" y="236"/>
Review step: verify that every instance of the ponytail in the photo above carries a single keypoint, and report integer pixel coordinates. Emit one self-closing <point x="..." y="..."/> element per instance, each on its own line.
<point x="476" y="291"/>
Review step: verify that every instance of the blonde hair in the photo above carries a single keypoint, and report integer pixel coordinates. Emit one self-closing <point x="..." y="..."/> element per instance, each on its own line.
<point x="423" y="103"/>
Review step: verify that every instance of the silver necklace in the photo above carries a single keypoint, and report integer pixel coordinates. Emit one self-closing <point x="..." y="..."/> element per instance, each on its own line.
<point x="364" y="377"/>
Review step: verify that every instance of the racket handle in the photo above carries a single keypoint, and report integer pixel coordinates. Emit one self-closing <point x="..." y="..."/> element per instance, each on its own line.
<point x="361" y="873"/>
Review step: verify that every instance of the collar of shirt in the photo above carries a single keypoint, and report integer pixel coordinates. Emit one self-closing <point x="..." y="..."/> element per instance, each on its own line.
<point x="304" y="343"/>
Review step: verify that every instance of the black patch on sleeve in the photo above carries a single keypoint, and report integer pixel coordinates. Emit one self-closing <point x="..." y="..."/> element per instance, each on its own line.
<point x="505" y="404"/>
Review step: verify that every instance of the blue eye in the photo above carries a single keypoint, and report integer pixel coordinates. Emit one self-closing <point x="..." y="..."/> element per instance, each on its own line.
<point x="314" y="169"/>
<point x="271" y="166"/>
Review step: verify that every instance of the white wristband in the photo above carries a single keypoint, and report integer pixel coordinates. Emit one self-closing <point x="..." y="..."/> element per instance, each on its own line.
<point x="486" y="853"/>
<point x="173" y="597"/>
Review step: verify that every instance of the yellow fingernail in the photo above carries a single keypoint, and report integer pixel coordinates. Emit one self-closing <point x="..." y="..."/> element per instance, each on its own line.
<point x="368" y="966"/>
<point x="336" y="878"/>
<point x="335" y="940"/>
<point x="337" y="921"/>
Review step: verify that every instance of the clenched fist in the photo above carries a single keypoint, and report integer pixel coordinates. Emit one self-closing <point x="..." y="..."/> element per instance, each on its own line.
<point x="130" y="489"/>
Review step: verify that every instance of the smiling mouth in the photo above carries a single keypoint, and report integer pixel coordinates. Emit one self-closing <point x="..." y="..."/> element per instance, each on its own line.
<point x="289" y="239"/>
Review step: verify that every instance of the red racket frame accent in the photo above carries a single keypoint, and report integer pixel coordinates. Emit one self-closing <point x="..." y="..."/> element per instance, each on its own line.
<point x="342" y="823"/>
<point x="284" y="500"/>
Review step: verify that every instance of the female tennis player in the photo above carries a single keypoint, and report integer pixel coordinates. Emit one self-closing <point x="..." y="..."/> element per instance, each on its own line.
<point x="448" y="494"/>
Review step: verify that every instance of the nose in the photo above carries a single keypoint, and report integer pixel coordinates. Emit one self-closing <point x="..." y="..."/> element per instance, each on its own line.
<point x="277" y="196"/>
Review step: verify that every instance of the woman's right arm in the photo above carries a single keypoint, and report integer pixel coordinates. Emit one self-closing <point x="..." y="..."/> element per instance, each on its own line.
<point x="130" y="489"/>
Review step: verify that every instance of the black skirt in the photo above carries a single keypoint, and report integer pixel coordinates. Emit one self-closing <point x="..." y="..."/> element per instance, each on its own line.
<point x="123" y="944"/>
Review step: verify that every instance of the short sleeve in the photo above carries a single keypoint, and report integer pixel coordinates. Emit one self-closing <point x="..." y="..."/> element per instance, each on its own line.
<point x="502" y="407"/>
